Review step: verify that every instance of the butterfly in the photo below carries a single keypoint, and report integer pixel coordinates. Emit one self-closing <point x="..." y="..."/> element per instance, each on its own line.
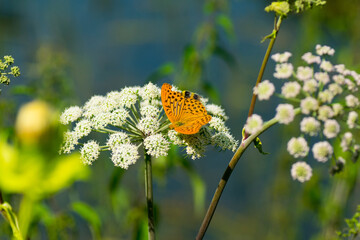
<point x="184" y="110"/>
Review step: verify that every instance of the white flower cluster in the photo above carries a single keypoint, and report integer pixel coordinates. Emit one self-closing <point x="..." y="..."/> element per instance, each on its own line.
<point x="133" y="117"/>
<point x="328" y="98"/>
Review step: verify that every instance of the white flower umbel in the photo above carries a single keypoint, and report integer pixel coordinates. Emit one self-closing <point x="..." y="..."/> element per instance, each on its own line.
<point x="346" y="141"/>
<point x="351" y="101"/>
<point x="264" y="90"/>
<point x="325" y="112"/>
<point x="326" y="66"/>
<point x="308" y="105"/>
<point x="216" y="110"/>
<point x="134" y="122"/>
<point x="326" y="96"/>
<point x="324" y="50"/>
<point x="224" y="141"/>
<point x="156" y="145"/>
<point x="331" y="128"/>
<point x="335" y="89"/>
<point x="124" y="155"/>
<point x="283" y="70"/>
<point x="352" y="119"/>
<point x="310" y="126"/>
<point x="310" y="86"/>
<point x="304" y="73"/>
<point x="301" y="171"/>
<point x="322" y="151"/>
<point x="338" y="109"/>
<point x="90" y="152"/>
<point x="322" y="77"/>
<point x="298" y="147"/>
<point x="285" y="113"/>
<point x="339" y="79"/>
<point x="309" y="58"/>
<point x="253" y="124"/>
<point x="70" y="114"/>
<point x="116" y="139"/>
<point x="290" y="89"/>
<point x="281" y="57"/>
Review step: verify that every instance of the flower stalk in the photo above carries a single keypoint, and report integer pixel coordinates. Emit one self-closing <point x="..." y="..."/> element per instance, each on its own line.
<point x="149" y="197"/>
<point x="224" y="179"/>
<point x="272" y="37"/>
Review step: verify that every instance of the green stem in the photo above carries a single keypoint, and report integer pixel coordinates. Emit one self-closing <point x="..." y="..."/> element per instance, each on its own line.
<point x="263" y="66"/>
<point x="243" y="146"/>
<point x="149" y="197"/>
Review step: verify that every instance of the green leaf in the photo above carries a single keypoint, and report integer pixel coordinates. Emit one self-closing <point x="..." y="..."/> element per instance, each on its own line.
<point x="87" y="213"/>
<point x="225" y="22"/>
<point x="258" y="145"/>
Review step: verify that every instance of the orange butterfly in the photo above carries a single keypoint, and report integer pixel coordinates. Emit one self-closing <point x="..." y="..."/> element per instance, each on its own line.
<point x="184" y="110"/>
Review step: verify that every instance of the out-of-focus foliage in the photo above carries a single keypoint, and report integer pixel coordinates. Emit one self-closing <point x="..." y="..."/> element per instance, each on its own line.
<point x="353" y="227"/>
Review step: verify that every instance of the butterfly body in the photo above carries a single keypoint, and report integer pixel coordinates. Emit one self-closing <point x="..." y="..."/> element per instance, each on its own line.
<point x="184" y="110"/>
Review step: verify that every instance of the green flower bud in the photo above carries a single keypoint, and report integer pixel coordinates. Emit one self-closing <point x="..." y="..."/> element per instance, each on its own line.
<point x="15" y="71"/>
<point x="281" y="8"/>
<point x="9" y="59"/>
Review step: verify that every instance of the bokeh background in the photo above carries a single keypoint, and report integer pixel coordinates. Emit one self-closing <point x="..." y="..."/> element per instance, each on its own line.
<point x="69" y="51"/>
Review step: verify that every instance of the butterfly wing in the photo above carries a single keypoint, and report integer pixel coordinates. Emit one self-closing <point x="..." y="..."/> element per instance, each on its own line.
<point x="173" y="103"/>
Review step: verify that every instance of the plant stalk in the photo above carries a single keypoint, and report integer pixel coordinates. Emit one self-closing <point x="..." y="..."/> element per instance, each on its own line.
<point x="263" y="65"/>
<point x="223" y="181"/>
<point x="149" y="197"/>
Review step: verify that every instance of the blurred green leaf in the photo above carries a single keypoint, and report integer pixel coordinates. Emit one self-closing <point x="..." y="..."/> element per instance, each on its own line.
<point x="225" y="55"/>
<point x="225" y="22"/>
<point x="87" y="213"/>
<point x="211" y="91"/>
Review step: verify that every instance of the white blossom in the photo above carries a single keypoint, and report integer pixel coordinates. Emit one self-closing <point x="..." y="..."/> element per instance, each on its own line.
<point x="301" y="171"/>
<point x="352" y="119"/>
<point x="331" y="128"/>
<point x="124" y="155"/>
<point x="304" y="73"/>
<point x="264" y="90"/>
<point x="309" y="58"/>
<point x="116" y="139"/>
<point x="218" y="124"/>
<point x="90" y="152"/>
<point x="283" y="70"/>
<point x="70" y="114"/>
<point x="325" y="112"/>
<point x="290" y="89"/>
<point x="351" y="101"/>
<point x="285" y="113"/>
<point x="324" y="50"/>
<point x="322" y="77"/>
<point x="346" y="141"/>
<point x="148" y="125"/>
<point x="298" y="147"/>
<point x="281" y="57"/>
<point x="156" y="145"/>
<point x="310" y="86"/>
<point x="253" y="124"/>
<point x="339" y="79"/>
<point x="310" y="126"/>
<point x="326" y="66"/>
<point x="326" y="96"/>
<point x="149" y="91"/>
<point x="83" y="128"/>
<point x="337" y="109"/>
<point x="308" y="105"/>
<point x="216" y="110"/>
<point x="322" y="151"/>
<point x="335" y="89"/>
<point x="224" y="140"/>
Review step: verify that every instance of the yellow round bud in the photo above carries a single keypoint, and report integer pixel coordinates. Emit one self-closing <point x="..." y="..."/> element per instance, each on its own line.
<point x="33" y="121"/>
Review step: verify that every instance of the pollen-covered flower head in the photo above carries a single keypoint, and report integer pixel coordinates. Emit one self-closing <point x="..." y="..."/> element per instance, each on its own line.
<point x="264" y="90"/>
<point x="301" y="171"/>
<point x="133" y="119"/>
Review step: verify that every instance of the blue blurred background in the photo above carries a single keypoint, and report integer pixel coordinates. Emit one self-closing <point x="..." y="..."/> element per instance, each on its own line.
<point x="69" y="51"/>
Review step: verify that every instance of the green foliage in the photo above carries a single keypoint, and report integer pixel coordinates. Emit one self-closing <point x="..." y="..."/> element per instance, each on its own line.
<point x="353" y="227"/>
<point x="4" y="70"/>
<point x="10" y="216"/>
